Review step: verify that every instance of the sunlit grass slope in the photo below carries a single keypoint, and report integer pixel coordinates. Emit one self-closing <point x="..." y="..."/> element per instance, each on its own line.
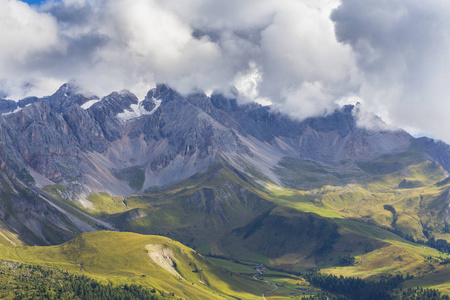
<point x="151" y="261"/>
<point x="317" y="215"/>
<point x="403" y="192"/>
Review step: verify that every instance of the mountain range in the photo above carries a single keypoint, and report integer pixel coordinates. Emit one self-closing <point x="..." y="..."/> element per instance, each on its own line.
<point x="229" y="179"/>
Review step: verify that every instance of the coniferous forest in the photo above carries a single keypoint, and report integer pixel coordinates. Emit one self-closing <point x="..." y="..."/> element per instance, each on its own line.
<point x="19" y="281"/>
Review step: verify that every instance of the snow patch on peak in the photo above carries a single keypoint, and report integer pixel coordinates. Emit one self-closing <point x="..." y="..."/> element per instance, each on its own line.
<point x="138" y="110"/>
<point x="89" y="103"/>
<point x="14" y="111"/>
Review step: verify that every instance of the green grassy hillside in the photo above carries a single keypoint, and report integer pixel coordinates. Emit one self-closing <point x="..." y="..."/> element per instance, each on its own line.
<point x="151" y="261"/>
<point x="366" y="218"/>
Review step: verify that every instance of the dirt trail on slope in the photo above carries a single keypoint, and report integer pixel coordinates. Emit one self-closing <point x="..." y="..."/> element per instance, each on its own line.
<point x="162" y="256"/>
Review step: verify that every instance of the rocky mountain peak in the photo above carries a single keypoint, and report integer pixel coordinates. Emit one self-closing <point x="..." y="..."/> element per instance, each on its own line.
<point x="66" y="96"/>
<point x="170" y="136"/>
<point x="114" y="103"/>
<point x="224" y="103"/>
<point x="341" y="120"/>
<point x="123" y="146"/>
<point x="164" y="93"/>
<point x="68" y="89"/>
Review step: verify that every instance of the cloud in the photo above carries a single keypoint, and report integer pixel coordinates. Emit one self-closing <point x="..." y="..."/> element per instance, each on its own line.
<point x="150" y="41"/>
<point x="283" y="48"/>
<point x="24" y="33"/>
<point x="310" y="99"/>
<point x="108" y="45"/>
<point x="402" y="51"/>
<point x="304" y="67"/>
<point x="304" y="56"/>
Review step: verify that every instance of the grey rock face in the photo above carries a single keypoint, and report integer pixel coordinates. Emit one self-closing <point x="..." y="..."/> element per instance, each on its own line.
<point x="85" y="129"/>
<point x="7" y="106"/>
<point x="27" y="101"/>
<point x="106" y="110"/>
<point x="175" y="136"/>
<point x="67" y="96"/>
<point x="436" y="150"/>
<point x="42" y="139"/>
<point x="148" y="102"/>
<point x="169" y="137"/>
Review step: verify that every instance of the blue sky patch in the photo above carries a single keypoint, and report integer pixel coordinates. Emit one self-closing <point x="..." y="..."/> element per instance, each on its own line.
<point x="33" y="2"/>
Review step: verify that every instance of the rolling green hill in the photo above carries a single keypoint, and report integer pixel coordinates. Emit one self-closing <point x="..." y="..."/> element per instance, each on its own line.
<point x="375" y="213"/>
<point x="368" y="219"/>
<point x="151" y="261"/>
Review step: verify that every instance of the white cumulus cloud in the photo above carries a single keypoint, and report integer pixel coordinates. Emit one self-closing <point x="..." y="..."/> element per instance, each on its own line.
<point x="304" y="56"/>
<point x="25" y="34"/>
<point x="402" y="49"/>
